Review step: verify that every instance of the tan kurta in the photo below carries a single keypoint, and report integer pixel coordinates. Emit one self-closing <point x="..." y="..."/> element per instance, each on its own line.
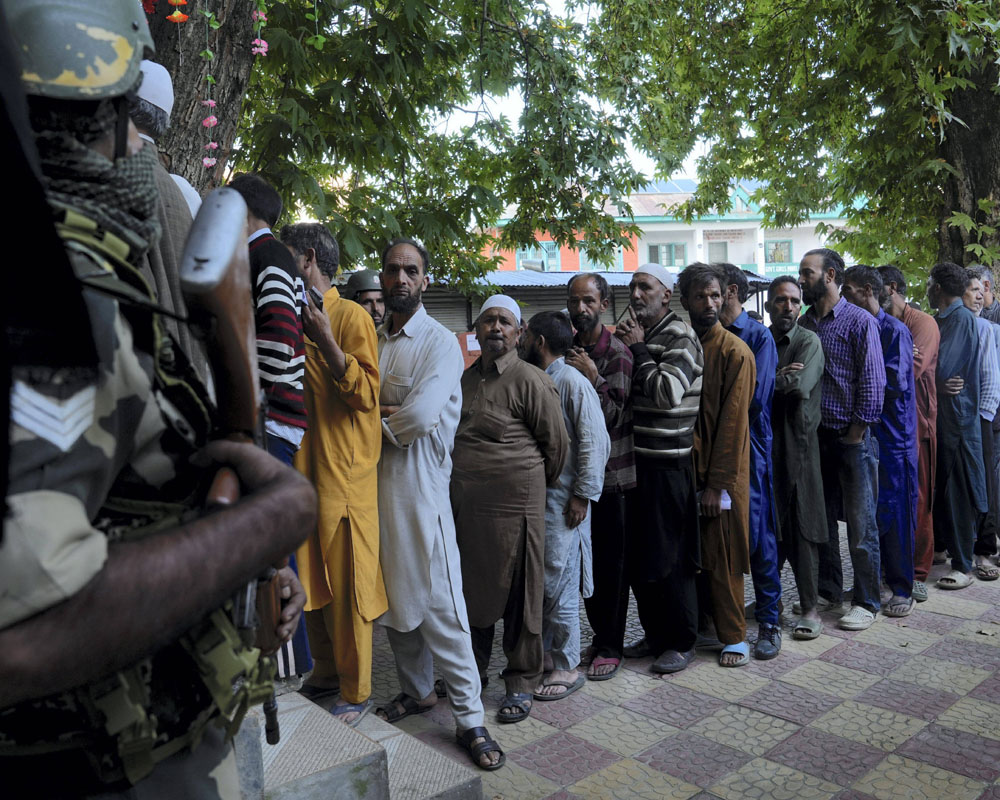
<point x="722" y="446"/>
<point x="511" y="443"/>
<point x="339" y="454"/>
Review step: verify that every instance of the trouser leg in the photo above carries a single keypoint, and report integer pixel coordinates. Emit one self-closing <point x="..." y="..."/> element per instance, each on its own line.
<point x="522" y="648"/>
<point x="726" y="591"/>
<point x="858" y="473"/>
<point x="954" y="516"/>
<point x="561" y="611"/>
<point x="680" y="610"/>
<point x="803" y="556"/>
<point x="923" y="552"/>
<point x="324" y="660"/>
<point x="831" y="575"/>
<point x="650" y="603"/>
<point x="482" y="646"/>
<point x="763" y="545"/>
<point x="414" y="664"/>
<point x="986" y="533"/>
<point x="607" y="608"/>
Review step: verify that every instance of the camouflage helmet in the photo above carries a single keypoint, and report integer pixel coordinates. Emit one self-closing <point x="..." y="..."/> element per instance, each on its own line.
<point x="79" y="50"/>
<point x="364" y="280"/>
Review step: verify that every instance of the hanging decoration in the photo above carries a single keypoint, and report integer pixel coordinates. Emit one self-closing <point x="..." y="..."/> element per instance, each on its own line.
<point x="177" y="16"/>
<point x="259" y="46"/>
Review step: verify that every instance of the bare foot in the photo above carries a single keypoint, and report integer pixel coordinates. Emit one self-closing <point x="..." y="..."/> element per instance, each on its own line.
<point x="348" y="717"/>
<point x="569" y="676"/>
<point x="598" y="670"/>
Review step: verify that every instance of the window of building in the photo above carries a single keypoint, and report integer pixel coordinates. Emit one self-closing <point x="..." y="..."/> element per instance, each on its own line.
<point x="588" y="265"/>
<point x="718" y="252"/>
<point x="778" y="251"/>
<point x="543" y="256"/>
<point x="668" y="255"/>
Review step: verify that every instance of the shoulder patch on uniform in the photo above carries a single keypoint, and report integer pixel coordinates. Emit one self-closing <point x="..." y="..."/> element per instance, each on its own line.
<point x="58" y="421"/>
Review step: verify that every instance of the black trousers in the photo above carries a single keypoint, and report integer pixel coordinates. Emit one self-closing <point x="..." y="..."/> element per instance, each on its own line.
<point x="986" y="531"/>
<point x="668" y="611"/>
<point x="607" y="608"/>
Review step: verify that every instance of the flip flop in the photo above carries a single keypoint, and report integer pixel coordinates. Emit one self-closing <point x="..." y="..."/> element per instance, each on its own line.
<point x="898" y="606"/>
<point x="742" y="649"/>
<point x="465" y="738"/>
<point x="570" y="688"/>
<point x="986" y="572"/>
<point x="601" y="661"/>
<point x="409" y="704"/>
<point x="518" y="700"/>
<point x="807" y="629"/>
<point x="954" y="580"/>
<point x="349" y="708"/>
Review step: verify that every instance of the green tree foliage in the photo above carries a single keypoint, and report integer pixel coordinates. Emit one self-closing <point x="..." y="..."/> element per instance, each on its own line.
<point x="352" y="114"/>
<point x="888" y="109"/>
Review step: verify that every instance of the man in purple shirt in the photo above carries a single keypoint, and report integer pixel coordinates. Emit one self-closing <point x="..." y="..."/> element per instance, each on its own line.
<point x="852" y="391"/>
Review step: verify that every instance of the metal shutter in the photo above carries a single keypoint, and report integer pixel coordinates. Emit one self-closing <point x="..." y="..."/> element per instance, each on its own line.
<point x="447" y="307"/>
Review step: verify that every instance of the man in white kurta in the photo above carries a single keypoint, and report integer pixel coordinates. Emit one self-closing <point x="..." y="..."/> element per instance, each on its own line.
<point x="568" y="553"/>
<point x="421" y="366"/>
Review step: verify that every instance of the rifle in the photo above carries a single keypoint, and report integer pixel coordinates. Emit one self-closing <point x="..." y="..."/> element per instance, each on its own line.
<point x="215" y="280"/>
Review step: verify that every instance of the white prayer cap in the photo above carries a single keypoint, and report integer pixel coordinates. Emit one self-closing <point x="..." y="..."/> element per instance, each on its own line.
<point x="658" y="272"/>
<point x="502" y="301"/>
<point x="157" y="88"/>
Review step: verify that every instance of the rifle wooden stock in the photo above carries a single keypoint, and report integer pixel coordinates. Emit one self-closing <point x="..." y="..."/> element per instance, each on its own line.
<point x="215" y="280"/>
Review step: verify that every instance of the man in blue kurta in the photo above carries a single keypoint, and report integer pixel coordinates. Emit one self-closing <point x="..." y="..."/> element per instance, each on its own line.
<point x="961" y="485"/>
<point x="763" y="520"/>
<point x="896" y="433"/>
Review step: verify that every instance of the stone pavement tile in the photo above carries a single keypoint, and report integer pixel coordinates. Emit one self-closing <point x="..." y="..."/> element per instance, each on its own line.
<point x="898" y="778"/>
<point x="983" y="592"/>
<point x="416" y="723"/>
<point x="631" y="779"/>
<point x="693" y="758"/>
<point x="569" y="710"/>
<point x="966" y="651"/>
<point x="988" y="689"/>
<point x="828" y="757"/>
<point x="991" y="793"/>
<point x="973" y="716"/>
<point x="993" y="615"/>
<point x="516" y="783"/>
<point x="562" y="794"/>
<point x="869" y="725"/>
<point x="909" y="640"/>
<point x="518" y="734"/>
<point x="766" y="780"/>
<point x="674" y="705"/>
<point x="908" y="698"/>
<point x="946" y="676"/>
<point x="622" y="731"/>
<point x="865" y="657"/>
<point x="563" y="758"/>
<point x="851" y="794"/>
<point x="789" y="702"/>
<point x="444" y="742"/>
<point x="726" y="684"/>
<point x="925" y="621"/>
<point x="830" y="679"/>
<point x="957" y="751"/>
<point x="625" y="684"/>
<point x="981" y="632"/>
<point x="745" y="729"/>
<point x="773" y="667"/>
<point x="810" y="648"/>
<point x="954" y="605"/>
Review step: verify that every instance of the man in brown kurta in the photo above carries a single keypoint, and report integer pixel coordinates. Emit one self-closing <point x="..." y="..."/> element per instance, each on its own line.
<point x="511" y="443"/>
<point x="722" y="458"/>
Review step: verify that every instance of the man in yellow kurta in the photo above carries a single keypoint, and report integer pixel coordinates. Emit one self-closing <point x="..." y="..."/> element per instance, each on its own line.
<point x="339" y="563"/>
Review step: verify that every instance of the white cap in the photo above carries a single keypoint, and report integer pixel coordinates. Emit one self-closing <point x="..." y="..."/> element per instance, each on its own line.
<point x="157" y="88"/>
<point x="191" y="196"/>
<point x="658" y="272"/>
<point x="502" y="301"/>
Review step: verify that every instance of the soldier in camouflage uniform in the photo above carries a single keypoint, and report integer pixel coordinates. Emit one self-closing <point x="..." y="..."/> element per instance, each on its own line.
<point x="120" y="671"/>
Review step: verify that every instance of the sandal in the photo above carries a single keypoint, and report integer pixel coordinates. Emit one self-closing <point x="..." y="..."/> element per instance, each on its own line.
<point x="519" y="700"/>
<point x="806" y="629"/>
<point x="919" y="592"/>
<point x="475" y="751"/>
<point x="570" y="688"/>
<point x="602" y="661"/>
<point x="898" y="606"/>
<point x="360" y="709"/>
<point x="391" y="712"/>
<point x="954" y="580"/>
<point x="986" y="572"/>
<point x="742" y="650"/>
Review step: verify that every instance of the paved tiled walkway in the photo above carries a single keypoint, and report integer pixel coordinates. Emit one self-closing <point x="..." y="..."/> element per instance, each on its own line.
<point x="908" y="709"/>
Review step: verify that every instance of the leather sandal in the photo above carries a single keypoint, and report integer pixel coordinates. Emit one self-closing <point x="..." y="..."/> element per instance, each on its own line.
<point x="477" y="750"/>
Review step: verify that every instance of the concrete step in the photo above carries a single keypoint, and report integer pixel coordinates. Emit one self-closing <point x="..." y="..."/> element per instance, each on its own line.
<point x="319" y="757"/>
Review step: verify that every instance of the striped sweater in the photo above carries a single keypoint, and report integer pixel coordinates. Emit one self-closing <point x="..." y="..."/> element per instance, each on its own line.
<point x="277" y="295"/>
<point x="666" y="389"/>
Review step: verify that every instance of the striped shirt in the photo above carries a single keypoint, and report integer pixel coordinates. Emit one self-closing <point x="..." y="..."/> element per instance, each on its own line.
<point x="614" y="385"/>
<point x="277" y="293"/>
<point x="666" y="389"/>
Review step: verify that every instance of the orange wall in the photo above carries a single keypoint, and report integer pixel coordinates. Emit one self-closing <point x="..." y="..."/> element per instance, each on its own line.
<point x="569" y="258"/>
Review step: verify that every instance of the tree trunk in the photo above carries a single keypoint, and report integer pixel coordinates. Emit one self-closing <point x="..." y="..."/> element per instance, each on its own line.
<point x="177" y="49"/>
<point x="974" y="152"/>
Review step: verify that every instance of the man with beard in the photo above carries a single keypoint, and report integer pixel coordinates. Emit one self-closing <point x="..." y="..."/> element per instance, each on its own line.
<point x="926" y="343"/>
<point x="852" y="386"/>
<point x="339" y="561"/>
<point x="896" y="433"/>
<point x="960" y="494"/>
<point x="991" y="307"/>
<point x="568" y="553"/>
<point x="511" y="443"/>
<point x="607" y="363"/>
<point x="763" y="527"/>
<point x="364" y="288"/>
<point x="798" y="481"/>
<point x="662" y="551"/>
<point x="722" y="459"/>
<point x="421" y="399"/>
